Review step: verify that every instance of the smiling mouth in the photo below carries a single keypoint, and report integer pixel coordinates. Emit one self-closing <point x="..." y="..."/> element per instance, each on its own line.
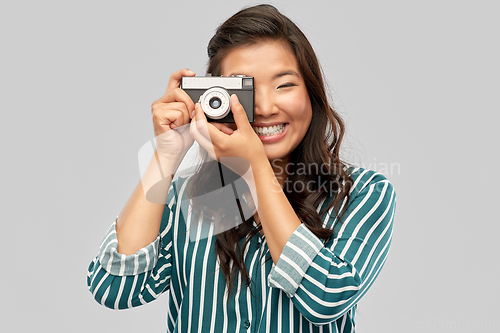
<point x="269" y="130"/>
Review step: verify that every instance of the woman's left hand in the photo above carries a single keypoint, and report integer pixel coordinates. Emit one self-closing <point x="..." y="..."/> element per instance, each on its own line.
<point x="223" y="143"/>
<point x="234" y="148"/>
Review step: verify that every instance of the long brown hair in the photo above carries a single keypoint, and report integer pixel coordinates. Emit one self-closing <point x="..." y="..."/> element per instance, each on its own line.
<point x="319" y="148"/>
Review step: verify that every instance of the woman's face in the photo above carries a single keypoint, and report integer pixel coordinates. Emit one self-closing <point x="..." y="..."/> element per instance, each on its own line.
<point x="283" y="109"/>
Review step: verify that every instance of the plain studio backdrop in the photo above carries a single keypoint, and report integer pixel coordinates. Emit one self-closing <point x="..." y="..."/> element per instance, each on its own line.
<point x="416" y="81"/>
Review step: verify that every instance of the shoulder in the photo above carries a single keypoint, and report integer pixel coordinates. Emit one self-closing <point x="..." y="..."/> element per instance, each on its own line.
<point x="367" y="188"/>
<point x="361" y="179"/>
<point x="370" y="187"/>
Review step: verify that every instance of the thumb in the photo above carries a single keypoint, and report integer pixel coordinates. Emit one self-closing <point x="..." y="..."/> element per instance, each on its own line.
<point x="239" y="114"/>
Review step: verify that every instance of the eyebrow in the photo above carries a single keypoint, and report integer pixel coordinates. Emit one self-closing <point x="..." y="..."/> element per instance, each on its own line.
<point x="285" y="73"/>
<point x="278" y="75"/>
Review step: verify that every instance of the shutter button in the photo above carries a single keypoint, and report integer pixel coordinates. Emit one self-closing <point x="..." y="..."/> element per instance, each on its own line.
<point x="247" y="324"/>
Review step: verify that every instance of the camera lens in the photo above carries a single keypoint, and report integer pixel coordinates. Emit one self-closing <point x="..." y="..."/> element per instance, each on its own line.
<point x="215" y="102"/>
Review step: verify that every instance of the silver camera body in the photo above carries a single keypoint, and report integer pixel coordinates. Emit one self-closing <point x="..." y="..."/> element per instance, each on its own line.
<point x="213" y="93"/>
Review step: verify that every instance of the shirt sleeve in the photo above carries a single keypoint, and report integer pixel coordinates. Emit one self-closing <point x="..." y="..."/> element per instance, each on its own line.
<point x="325" y="280"/>
<point x="119" y="281"/>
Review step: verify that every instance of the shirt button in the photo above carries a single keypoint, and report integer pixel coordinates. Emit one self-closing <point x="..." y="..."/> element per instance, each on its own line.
<point x="247" y="324"/>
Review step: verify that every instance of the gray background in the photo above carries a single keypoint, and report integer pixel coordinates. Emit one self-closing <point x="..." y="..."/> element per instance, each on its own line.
<point x="417" y="82"/>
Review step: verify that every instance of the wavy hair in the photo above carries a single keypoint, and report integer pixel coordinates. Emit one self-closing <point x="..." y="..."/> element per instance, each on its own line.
<point x="319" y="148"/>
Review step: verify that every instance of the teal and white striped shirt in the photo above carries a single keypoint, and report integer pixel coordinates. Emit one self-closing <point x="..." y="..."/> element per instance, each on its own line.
<point x="314" y="287"/>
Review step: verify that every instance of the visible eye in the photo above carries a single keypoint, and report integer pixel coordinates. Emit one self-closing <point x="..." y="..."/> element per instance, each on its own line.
<point x="287" y="85"/>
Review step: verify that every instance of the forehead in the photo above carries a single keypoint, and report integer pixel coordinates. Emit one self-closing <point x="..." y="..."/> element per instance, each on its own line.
<point x="262" y="59"/>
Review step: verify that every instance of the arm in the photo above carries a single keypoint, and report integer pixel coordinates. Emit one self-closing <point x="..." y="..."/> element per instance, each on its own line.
<point x="139" y="222"/>
<point x="326" y="280"/>
<point x="323" y="280"/>
<point x="277" y="217"/>
<point x="133" y="266"/>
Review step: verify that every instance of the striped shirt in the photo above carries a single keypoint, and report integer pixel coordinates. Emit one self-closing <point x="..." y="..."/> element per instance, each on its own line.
<point x="313" y="287"/>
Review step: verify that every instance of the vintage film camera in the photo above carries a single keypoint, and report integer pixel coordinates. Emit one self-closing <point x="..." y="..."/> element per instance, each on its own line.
<point x="213" y="93"/>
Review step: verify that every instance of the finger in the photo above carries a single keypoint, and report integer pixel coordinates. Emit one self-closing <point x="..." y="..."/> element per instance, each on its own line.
<point x="239" y="114"/>
<point x="176" y="112"/>
<point x="202" y="140"/>
<point x="164" y="121"/>
<point x="199" y="132"/>
<point x="201" y="122"/>
<point x="208" y="129"/>
<point x="223" y="128"/>
<point x="176" y="95"/>
<point x="175" y="79"/>
<point x="217" y="138"/>
<point x="184" y="118"/>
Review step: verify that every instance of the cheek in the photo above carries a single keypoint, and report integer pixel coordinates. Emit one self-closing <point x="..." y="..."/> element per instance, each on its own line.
<point x="300" y="109"/>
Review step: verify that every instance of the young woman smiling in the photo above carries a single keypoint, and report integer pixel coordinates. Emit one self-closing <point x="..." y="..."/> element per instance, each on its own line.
<point x="306" y="256"/>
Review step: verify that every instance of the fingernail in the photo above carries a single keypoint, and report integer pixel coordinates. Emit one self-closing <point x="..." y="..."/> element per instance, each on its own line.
<point x="194" y="111"/>
<point x="190" y="72"/>
<point x="234" y="99"/>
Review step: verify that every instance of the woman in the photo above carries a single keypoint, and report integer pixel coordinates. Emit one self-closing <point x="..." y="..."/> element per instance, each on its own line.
<point x="320" y="233"/>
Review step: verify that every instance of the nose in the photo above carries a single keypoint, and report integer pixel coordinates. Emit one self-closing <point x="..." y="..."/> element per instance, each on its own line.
<point x="264" y="103"/>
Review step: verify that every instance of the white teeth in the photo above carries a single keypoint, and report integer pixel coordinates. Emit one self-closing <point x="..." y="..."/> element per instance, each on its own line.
<point x="270" y="130"/>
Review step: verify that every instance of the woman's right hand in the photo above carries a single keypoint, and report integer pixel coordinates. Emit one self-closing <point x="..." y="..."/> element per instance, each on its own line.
<point x="171" y="117"/>
<point x="139" y="222"/>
